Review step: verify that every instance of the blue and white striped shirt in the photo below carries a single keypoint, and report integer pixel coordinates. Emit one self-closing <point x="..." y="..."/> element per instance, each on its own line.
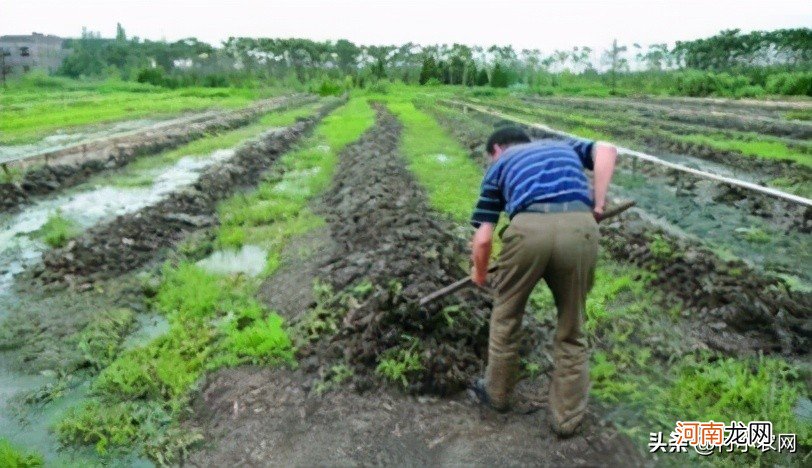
<point x="543" y="171"/>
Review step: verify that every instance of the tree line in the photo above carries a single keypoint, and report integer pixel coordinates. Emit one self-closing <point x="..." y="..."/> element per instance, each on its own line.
<point x="728" y="61"/>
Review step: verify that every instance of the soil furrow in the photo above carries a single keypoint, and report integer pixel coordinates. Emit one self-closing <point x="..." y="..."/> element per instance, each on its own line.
<point x="73" y="165"/>
<point x="388" y="238"/>
<point x="130" y="241"/>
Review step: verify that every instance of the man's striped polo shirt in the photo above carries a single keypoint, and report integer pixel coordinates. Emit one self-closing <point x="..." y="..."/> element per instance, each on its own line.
<point x="543" y="171"/>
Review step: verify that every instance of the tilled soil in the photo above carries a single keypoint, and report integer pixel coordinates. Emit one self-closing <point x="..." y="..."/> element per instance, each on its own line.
<point x="386" y="236"/>
<point x="381" y="233"/>
<point x="130" y="241"/>
<point x="75" y="164"/>
<point x="735" y="308"/>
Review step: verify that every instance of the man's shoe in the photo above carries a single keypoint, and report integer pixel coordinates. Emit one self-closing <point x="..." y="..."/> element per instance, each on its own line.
<point x="479" y="391"/>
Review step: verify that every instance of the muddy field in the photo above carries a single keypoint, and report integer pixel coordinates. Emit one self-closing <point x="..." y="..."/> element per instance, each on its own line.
<point x="367" y="376"/>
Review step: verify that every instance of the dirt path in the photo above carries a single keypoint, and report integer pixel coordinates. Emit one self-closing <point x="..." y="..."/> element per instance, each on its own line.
<point x="381" y="230"/>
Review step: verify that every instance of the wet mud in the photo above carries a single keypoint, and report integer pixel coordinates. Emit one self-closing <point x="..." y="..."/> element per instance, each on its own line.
<point x="254" y="416"/>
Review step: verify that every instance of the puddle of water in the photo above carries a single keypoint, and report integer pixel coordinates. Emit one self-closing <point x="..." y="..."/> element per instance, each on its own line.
<point x="147" y="327"/>
<point x="87" y="206"/>
<point x="441" y="158"/>
<point x="249" y="260"/>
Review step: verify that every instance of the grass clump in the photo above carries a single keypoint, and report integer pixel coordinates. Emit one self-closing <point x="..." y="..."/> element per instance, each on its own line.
<point x="398" y="364"/>
<point x="13" y="457"/>
<point x="452" y="182"/>
<point x="100" y="340"/>
<point x="58" y="230"/>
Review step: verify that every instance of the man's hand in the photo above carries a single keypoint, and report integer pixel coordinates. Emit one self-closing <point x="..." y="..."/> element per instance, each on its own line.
<point x="479" y="278"/>
<point x="597" y="212"/>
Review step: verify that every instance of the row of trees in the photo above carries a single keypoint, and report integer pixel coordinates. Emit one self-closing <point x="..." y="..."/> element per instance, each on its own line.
<point x="755" y="55"/>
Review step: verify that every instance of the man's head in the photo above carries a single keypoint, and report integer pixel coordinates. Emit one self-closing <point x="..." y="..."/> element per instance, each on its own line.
<point x="504" y="138"/>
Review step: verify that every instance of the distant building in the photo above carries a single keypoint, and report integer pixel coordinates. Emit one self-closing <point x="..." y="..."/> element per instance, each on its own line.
<point x="33" y="52"/>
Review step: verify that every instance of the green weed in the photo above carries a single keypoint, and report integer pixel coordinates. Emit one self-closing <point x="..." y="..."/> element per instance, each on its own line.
<point x="100" y="340"/>
<point x="397" y="364"/>
<point x="57" y="230"/>
<point x="336" y="375"/>
<point x="13" y="457"/>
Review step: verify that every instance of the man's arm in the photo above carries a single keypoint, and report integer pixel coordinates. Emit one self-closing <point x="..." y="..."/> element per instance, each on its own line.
<point x="481" y="252"/>
<point x="604" y="156"/>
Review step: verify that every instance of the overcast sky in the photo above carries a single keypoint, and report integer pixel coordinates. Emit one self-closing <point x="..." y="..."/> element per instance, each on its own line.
<point x="546" y="25"/>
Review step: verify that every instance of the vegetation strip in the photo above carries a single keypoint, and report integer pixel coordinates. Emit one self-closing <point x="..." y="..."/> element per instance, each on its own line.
<point x="648" y="369"/>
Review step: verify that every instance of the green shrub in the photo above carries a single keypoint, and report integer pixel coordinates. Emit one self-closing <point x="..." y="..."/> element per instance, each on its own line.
<point x="153" y="76"/>
<point x="12" y="457"/>
<point x="328" y="87"/>
<point x="58" y="230"/>
<point x="792" y="84"/>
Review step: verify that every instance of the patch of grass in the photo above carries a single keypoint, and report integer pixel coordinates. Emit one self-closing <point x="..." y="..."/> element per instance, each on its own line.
<point x="803" y="115"/>
<point x="755" y="145"/>
<point x="32" y="112"/>
<point x="13" y="457"/>
<point x="58" y="230"/>
<point x="452" y="183"/>
<point x="397" y="364"/>
<point x="100" y="340"/>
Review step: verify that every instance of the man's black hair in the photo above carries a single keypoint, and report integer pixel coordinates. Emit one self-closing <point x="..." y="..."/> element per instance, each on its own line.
<point x="506" y="136"/>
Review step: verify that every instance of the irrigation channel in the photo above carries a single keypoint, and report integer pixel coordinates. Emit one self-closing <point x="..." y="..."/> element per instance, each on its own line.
<point x="43" y="374"/>
<point x="709" y="202"/>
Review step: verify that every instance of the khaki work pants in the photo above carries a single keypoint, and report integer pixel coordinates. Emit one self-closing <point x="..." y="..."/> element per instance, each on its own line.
<point x="562" y="249"/>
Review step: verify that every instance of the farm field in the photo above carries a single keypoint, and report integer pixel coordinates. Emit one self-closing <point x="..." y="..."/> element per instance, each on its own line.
<point x="249" y="294"/>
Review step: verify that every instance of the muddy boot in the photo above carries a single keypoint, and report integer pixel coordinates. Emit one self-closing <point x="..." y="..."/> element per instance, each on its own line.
<point x="479" y="392"/>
